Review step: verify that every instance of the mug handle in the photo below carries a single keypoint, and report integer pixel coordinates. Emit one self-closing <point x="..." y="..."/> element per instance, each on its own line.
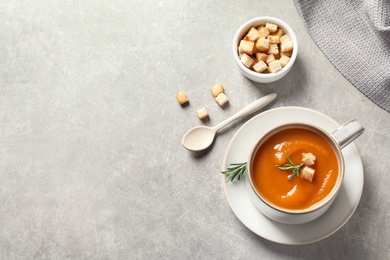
<point x="348" y="132"/>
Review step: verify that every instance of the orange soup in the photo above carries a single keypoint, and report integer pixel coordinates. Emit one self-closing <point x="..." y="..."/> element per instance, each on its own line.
<point x="298" y="193"/>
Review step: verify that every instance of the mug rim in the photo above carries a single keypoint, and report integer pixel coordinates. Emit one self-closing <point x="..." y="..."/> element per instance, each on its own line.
<point x="331" y="140"/>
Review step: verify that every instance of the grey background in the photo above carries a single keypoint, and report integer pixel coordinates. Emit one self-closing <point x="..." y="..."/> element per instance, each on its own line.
<point x="91" y="161"/>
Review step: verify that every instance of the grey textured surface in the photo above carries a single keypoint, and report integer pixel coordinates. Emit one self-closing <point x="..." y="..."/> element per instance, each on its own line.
<point x="91" y="163"/>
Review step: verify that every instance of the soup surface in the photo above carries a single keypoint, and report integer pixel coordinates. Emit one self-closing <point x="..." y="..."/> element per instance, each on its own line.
<point x="297" y="193"/>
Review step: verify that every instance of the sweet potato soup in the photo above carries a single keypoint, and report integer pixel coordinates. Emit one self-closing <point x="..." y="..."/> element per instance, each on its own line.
<point x="297" y="193"/>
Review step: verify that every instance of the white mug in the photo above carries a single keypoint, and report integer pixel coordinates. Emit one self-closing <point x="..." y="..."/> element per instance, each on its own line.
<point x="338" y="139"/>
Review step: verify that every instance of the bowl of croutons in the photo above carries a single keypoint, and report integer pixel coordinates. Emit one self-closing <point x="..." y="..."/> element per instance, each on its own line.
<point x="265" y="49"/>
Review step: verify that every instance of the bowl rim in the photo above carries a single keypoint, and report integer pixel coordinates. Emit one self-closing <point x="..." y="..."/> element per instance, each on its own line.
<point x="256" y="22"/>
<point x="325" y="201"/>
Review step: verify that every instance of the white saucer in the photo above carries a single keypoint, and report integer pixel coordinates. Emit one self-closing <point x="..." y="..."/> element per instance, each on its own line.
<point x="238" y="198"/>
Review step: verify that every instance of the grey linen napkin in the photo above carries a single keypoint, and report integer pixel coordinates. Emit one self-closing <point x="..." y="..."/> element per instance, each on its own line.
<point x="355" y="37"/>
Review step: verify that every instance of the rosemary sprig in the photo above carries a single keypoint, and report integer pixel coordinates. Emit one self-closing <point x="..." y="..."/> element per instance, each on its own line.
<point x="236" y="170"/>
<point x="291" y="166"/>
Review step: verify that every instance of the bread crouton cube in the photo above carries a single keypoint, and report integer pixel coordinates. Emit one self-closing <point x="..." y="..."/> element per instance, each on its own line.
<point x="252" y="35"/>
<point x="279" y="32"/>
<point x="202" y="113"/>
<point x="271" y="27"/>
<point x="308" y="158"/>
<point x="263" y="32"/>
<point x="270" y="58"/>
<point x="274" y="66"/>
<point x="287" y="53"/>
<point x="217" y="89"/>
<point x="182" y="98"/>
<point x="285" y="38"/>
<point x="246" y="47"/>
<point x="273" y="39"/>
<point x="273" y="48"/>
<point x="221" y="99"/>
<point x="260" y="66"/>
<point x="261" y="56"/>
<point x="246" y="60"/>
<point x="307" y="173"/>
<point x="262" y="44"/>
<point x="286" y="46"/>
<point x="284" y="60"/>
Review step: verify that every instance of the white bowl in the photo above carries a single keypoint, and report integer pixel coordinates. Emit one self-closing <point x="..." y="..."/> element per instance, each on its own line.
<point x="264" y="77"/>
